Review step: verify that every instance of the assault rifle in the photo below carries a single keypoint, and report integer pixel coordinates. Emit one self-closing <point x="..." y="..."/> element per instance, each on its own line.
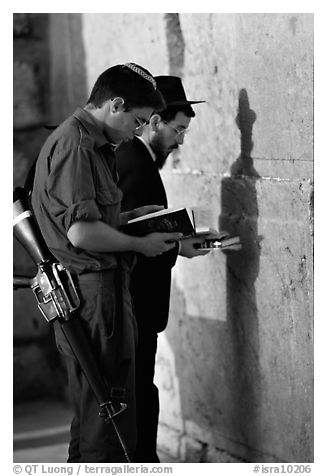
<point x="57" y="299"/>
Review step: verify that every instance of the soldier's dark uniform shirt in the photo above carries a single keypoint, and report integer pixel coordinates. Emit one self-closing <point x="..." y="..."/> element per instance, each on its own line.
<point x="75" y="180"/>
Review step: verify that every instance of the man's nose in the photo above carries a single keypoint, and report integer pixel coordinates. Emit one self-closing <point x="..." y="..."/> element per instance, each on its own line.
<point x="180" y="139"/>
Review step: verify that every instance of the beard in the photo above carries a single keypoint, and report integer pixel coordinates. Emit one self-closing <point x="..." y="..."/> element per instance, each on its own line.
<point x="162" y="152"/>
<point x="161" y="160"/>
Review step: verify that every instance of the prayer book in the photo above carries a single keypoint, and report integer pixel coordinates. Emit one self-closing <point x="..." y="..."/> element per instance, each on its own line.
<point x="169" y="220"/>
<point x="232" y="243"/>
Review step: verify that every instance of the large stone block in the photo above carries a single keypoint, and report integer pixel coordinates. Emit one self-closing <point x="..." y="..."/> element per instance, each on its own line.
<point x="191" y="451"/>
<point x="209" y="74"/>
<point x="84" y="45"/>
<point x="168" y="440"/>
<point x="141" y="39"/>
<point x="275" y="66"/>
<point x="175" y="43"/>
<point x="68" y="69"/>
<point x="166" y="378"/>
<point x="258" y="90"/>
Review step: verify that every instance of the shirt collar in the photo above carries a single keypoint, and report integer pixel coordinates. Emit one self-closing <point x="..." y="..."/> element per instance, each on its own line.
<point x="150" y="150"/>
<point x="86" y="119"/>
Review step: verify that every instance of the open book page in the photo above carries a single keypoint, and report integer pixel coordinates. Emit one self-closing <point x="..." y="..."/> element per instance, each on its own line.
<point x="165" y="211"/>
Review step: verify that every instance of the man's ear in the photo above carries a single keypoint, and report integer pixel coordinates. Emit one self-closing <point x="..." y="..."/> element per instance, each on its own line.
<point x="154" y="122"/>
<point x="117" y="104"/>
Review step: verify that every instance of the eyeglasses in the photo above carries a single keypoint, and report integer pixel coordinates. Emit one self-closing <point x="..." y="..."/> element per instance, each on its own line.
<point x="179" y="132"/>
<point x="141" y="123"/>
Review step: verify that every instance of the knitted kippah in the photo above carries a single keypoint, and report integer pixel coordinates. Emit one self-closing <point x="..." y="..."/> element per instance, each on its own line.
<point x="142" y="73"/>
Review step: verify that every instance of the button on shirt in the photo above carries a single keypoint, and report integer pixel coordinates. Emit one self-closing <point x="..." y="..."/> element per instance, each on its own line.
<point x="75" y="180"/>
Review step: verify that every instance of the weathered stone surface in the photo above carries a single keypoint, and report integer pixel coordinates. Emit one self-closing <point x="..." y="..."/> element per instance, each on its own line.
<point x="273" y="116"/>
<point x="175" y="44"/>
<point x="21" y="24"/>
<point x="36" y="369"/>
<point x="131" y="44"/>
<point x="275" y="66"/>
<point x="264" y="365"/>
<point x="166" y="378"/>
<point x="28" y="321"/>
<point x="191" y="451"/>
<point x="37" y="373"/>
<point x="169" y="440"/>
<point x="27" y="111"/>
<point x="68" y="71"/>
<point x="20" y="168"/>
<point x="27" y="145"/>
<point x="214" y="455"/>
<point x="209" y="74"/>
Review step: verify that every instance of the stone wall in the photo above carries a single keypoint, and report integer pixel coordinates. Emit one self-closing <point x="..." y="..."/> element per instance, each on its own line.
<point x="235" y="365"/>
<point x="37" y="369"/>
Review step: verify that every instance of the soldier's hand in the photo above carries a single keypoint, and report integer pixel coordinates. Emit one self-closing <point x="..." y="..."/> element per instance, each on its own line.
<point x="156" y="244"/>
<point x="188" y="250"/>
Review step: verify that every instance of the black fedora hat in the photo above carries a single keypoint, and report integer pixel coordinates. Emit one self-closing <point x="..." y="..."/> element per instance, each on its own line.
<point x="172" y="90"/>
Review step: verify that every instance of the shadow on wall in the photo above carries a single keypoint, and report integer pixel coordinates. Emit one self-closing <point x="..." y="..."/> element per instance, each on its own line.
<point x="217" y="360"/>
<point x="239" y="216"/>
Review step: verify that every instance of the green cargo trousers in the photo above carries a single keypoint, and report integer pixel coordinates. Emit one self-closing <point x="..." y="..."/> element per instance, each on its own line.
<point x="108" y="321"/>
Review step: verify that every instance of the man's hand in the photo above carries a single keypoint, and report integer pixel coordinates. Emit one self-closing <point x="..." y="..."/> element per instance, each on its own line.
<point x="188" y="250"/>
<point x="187" y="245"/>
<point x="139" y="212"/>
<point x="157" y="243"/>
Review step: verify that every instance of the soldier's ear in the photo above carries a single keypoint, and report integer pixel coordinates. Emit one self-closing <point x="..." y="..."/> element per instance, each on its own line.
<point x="117" y="104"/>
<point x="154" y="122"/>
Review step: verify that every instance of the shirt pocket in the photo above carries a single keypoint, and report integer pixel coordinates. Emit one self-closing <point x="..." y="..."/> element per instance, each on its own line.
<point x="108" y="201"/>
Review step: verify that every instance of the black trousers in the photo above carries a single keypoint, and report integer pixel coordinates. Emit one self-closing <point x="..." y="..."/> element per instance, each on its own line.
<point x="147" y="398"/>
<point x="112" y="334"/>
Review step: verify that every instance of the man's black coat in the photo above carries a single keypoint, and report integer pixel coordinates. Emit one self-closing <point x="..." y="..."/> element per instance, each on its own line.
<point x="140" y="181"/>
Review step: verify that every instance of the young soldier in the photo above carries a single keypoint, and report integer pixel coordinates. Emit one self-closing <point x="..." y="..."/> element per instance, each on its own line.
<point x="76" y="202"/>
